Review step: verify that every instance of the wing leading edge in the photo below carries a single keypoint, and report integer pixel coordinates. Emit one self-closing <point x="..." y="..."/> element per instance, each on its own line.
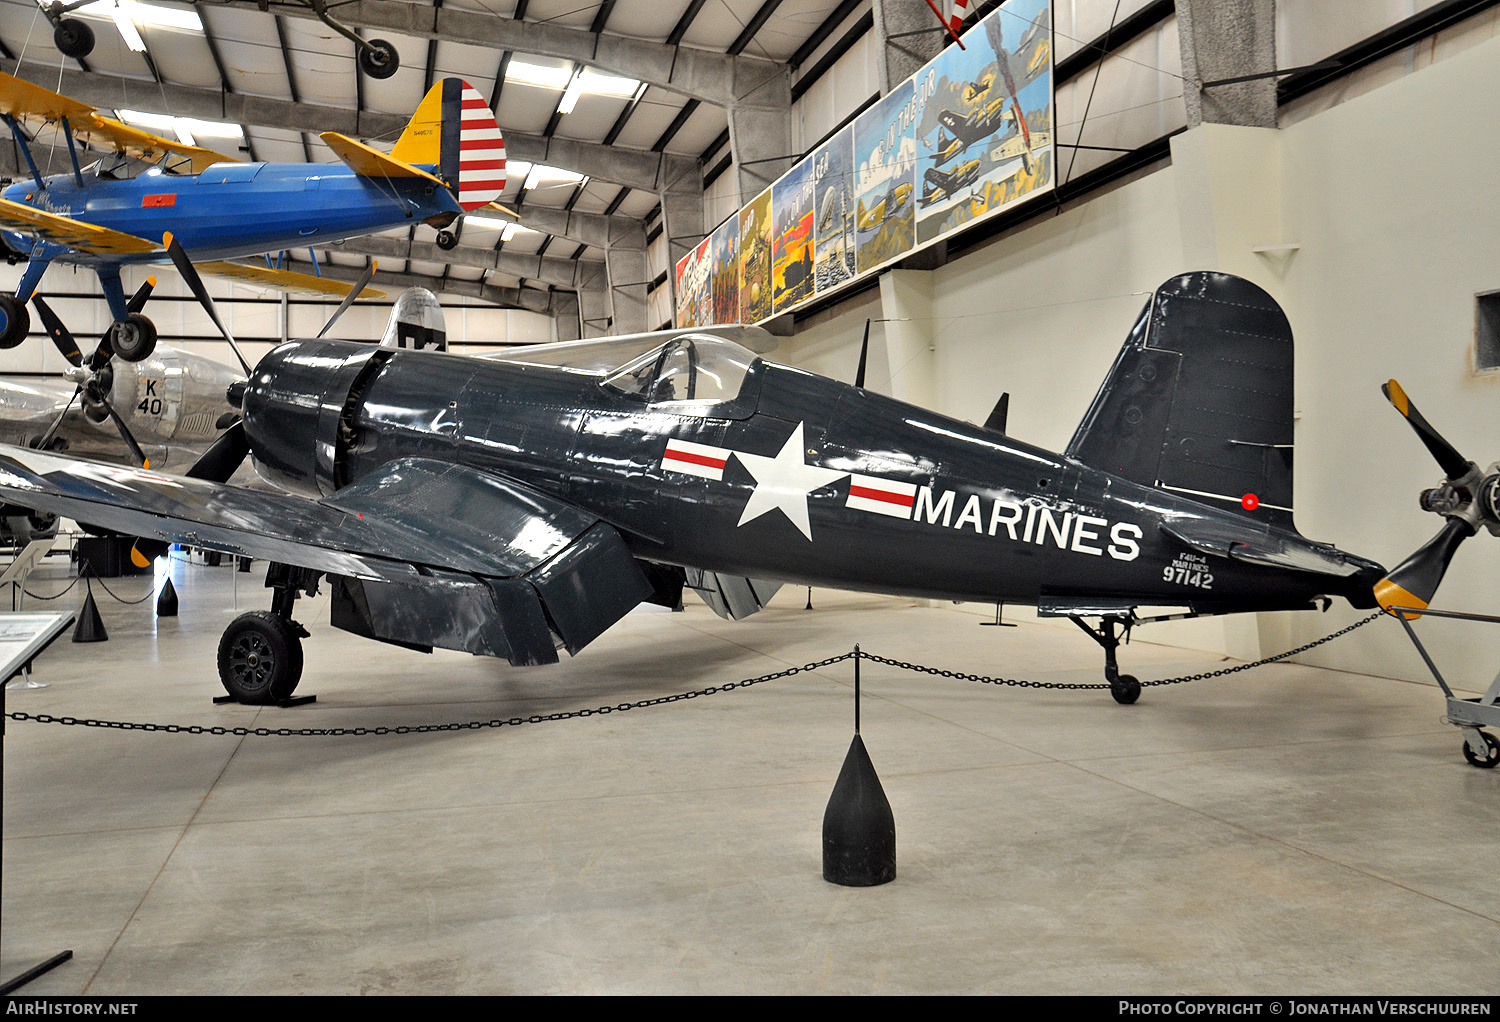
<point x="422" y="553"/>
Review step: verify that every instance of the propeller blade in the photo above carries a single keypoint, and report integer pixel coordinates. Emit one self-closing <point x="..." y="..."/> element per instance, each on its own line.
<point x="217" y="464"/>
<point x="135" y="448"/>
<point x="190" y="274"/>
<point x="359" y="286"/>
<point x="59" y="333"/>
<point x="142" y="294"/>
<point x="1453" y="464"/>
<point x="998" y="414"/>
<point x="1416" y="579"/>
<point x="222" y="459"/>
<point x="864" y="355"/>
<point x="45" y="443"/>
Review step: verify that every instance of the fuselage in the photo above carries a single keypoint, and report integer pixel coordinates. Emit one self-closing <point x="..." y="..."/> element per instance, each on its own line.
<point x="897" y="499"/>
<point x="231" y="209"/>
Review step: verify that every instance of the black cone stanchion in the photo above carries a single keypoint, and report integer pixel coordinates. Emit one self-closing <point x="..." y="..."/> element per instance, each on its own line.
<point x="166" y="602"/>
<point x="90" y="627"/>
<point x="859" y="830"/>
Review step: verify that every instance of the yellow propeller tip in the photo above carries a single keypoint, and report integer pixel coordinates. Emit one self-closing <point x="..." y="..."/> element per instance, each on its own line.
<point x="166" y="240"/>
<point x="1391" y="595"/>
<point x="1398" y="397"/>
<point x="152" y="279"/>
<point x="138" y="559"/>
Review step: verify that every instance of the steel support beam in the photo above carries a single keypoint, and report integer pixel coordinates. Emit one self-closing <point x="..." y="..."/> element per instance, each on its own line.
<point x="1227" y="39"/>
<point x="907" y="35"/>
<point x="528" y="299"/>
<point x="565" y="273"/>
<point x="719" y="78"/>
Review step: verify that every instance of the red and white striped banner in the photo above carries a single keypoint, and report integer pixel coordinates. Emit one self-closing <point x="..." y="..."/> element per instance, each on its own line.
<point x="695" y="459"/>
<point x="882" y="496"/>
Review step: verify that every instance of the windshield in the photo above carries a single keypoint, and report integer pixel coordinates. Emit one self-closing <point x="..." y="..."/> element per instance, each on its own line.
<point x="689" y="371"/>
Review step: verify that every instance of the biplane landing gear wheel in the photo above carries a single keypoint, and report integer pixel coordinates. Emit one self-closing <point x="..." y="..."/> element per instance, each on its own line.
<point x="73" y="37"/>
<point x="379" y="59"/>
<point x="1488" y="761"/>
<point x="133" y="338"/>
<point x="260" y="658"/>
<point x="447" y="240"/>
<point x="1126" y="689"/>
<point x="15" y="321"/>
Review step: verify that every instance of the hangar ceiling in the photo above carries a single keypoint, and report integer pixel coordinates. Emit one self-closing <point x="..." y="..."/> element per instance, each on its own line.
<point x="607" y="109"/>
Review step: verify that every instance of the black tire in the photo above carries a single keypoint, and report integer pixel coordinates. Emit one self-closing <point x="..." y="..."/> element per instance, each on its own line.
<point x="134" y="338"/>
<point x="379" y="59"/>
<point x="447" y="240"/>
<point x="73" y="37"/>
<point x="15" y="322"/>
<point x="1489" y="762"/>
<point x="1126" y="689"/>
<point x="260" y="658"/>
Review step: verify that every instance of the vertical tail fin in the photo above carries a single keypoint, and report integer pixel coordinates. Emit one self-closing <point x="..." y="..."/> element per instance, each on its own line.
<point x="454" y="130"/>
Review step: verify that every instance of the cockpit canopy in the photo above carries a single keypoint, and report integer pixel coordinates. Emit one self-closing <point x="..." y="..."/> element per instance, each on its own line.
<point x="690" y="371"/>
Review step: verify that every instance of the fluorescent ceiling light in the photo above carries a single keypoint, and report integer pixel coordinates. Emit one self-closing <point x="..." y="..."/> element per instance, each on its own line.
<point x="538" y="74"/>
<point x="185" y="128"/>
<point x="569" y="98"/>
<point x="128" y="31"/>
<point x="541" y="174"/>
<point x="489" y="223"/>
<point x="594" y="83"/>
<point x="150" y="15"/>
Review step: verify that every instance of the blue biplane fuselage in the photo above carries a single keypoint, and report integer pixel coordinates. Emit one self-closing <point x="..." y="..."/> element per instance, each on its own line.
<point x="231" y="209"/>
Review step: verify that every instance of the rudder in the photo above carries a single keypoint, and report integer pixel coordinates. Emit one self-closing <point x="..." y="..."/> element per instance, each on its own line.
<point x="1199" y="400"/>
<point x="454" y="130"/>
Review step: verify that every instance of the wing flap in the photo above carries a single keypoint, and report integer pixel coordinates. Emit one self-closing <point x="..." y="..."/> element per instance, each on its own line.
<point x="285" y="280"/>
<point x="370" y="162"/>
<point x="732" y="597"/>
<point x="75" y="234"/>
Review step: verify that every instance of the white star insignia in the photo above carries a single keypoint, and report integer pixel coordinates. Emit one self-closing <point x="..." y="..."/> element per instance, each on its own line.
<point x="784" y="482"/>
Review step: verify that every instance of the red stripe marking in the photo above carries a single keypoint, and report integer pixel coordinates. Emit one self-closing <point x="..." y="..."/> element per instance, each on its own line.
<point x="472" y="102"/>
<point x="481" y="143"/>
<point x="884" y="495"/>
<point x="464" y="165"/>
<point x="697" y="459"/>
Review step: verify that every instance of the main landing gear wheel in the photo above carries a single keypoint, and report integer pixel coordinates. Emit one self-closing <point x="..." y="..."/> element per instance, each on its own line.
<point x="260" y="658"/>
<point x="15" y="321"/>
<point x="1126" y="689"/>
<point x="133" y="338"/>
<point x="1487" y="762"/>
<point x="73" y="37"/>
<point x="379" y="59"/>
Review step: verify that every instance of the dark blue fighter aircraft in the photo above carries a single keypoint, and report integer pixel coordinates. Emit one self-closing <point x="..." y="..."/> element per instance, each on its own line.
<point x="518" y="506"/>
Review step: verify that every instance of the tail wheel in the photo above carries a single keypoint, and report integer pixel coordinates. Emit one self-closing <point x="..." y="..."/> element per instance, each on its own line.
<point x="133" y="338"/>
<point x="1126" y="689"/>
<point x="260" y="658"/>
<point x="15" y="322"/>
<point x="379" y="59"/>
<point x="73" y="37"/>
<point x="447" y="240"/>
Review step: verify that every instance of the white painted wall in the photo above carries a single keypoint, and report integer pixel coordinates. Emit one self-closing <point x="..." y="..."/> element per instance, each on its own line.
<point x="1398" y="231"/>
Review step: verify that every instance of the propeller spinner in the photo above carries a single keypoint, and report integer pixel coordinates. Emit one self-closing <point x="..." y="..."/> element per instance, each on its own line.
<point x="1467" y="498"/>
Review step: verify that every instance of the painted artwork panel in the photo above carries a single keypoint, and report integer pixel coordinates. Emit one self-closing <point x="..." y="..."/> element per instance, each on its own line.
<point x="885" y="157"/>
<point x="692" y="287"/>
<point x="755" y="259"/>
<point x="833" y="208"/>
<point x="724" y="272"/>
<point x="792" y="237"/>
<point x="984" y="126"/>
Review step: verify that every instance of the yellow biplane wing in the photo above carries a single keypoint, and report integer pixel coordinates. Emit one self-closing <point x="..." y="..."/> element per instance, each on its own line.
<point x="73" y="233"/>
<point x="33" y="106"/>
<point x="285" y="280"/>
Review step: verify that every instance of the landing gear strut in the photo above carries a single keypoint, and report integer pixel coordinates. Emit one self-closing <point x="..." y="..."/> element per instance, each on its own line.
<point x="1126" y="688"/>
<point x="260" y="654"/>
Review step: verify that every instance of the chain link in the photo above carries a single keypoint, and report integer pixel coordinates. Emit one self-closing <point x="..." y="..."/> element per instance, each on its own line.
<point x="475" y="725"/>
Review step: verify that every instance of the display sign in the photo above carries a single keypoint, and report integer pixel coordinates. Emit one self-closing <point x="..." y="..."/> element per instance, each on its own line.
<point x="967" y="136"/>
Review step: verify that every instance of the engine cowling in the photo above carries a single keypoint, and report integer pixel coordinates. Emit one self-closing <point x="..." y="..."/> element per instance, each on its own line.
<point x="298" y="408"/>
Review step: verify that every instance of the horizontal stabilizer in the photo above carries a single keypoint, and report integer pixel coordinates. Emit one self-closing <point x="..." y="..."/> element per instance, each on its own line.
<point x="370" y="162"/>
<point x="74" y="234"/>
<point x="732" y="597"/>
<point x="285" y="280"/>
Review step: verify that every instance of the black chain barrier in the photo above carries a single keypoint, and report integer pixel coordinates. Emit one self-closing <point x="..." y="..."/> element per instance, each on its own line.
<point x="476" y="725"/>
<point x="86" y="572"/>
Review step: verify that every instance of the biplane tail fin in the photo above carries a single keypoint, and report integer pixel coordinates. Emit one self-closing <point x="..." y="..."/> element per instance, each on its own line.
<point x="1199" y="400"/>
<point x="455" y="131"/>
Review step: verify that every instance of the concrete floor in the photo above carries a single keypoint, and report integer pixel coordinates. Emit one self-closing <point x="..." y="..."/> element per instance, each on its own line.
<point x="1285" y="830"/>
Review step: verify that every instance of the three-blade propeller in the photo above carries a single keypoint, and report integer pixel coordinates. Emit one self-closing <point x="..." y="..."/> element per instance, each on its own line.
<point x="95" y="376"/>
<point x="1414" y="581"/>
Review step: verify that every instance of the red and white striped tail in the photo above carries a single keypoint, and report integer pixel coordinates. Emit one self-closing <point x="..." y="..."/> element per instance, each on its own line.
<point x="956" y="19"/>
<point x="481" y="153"/>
